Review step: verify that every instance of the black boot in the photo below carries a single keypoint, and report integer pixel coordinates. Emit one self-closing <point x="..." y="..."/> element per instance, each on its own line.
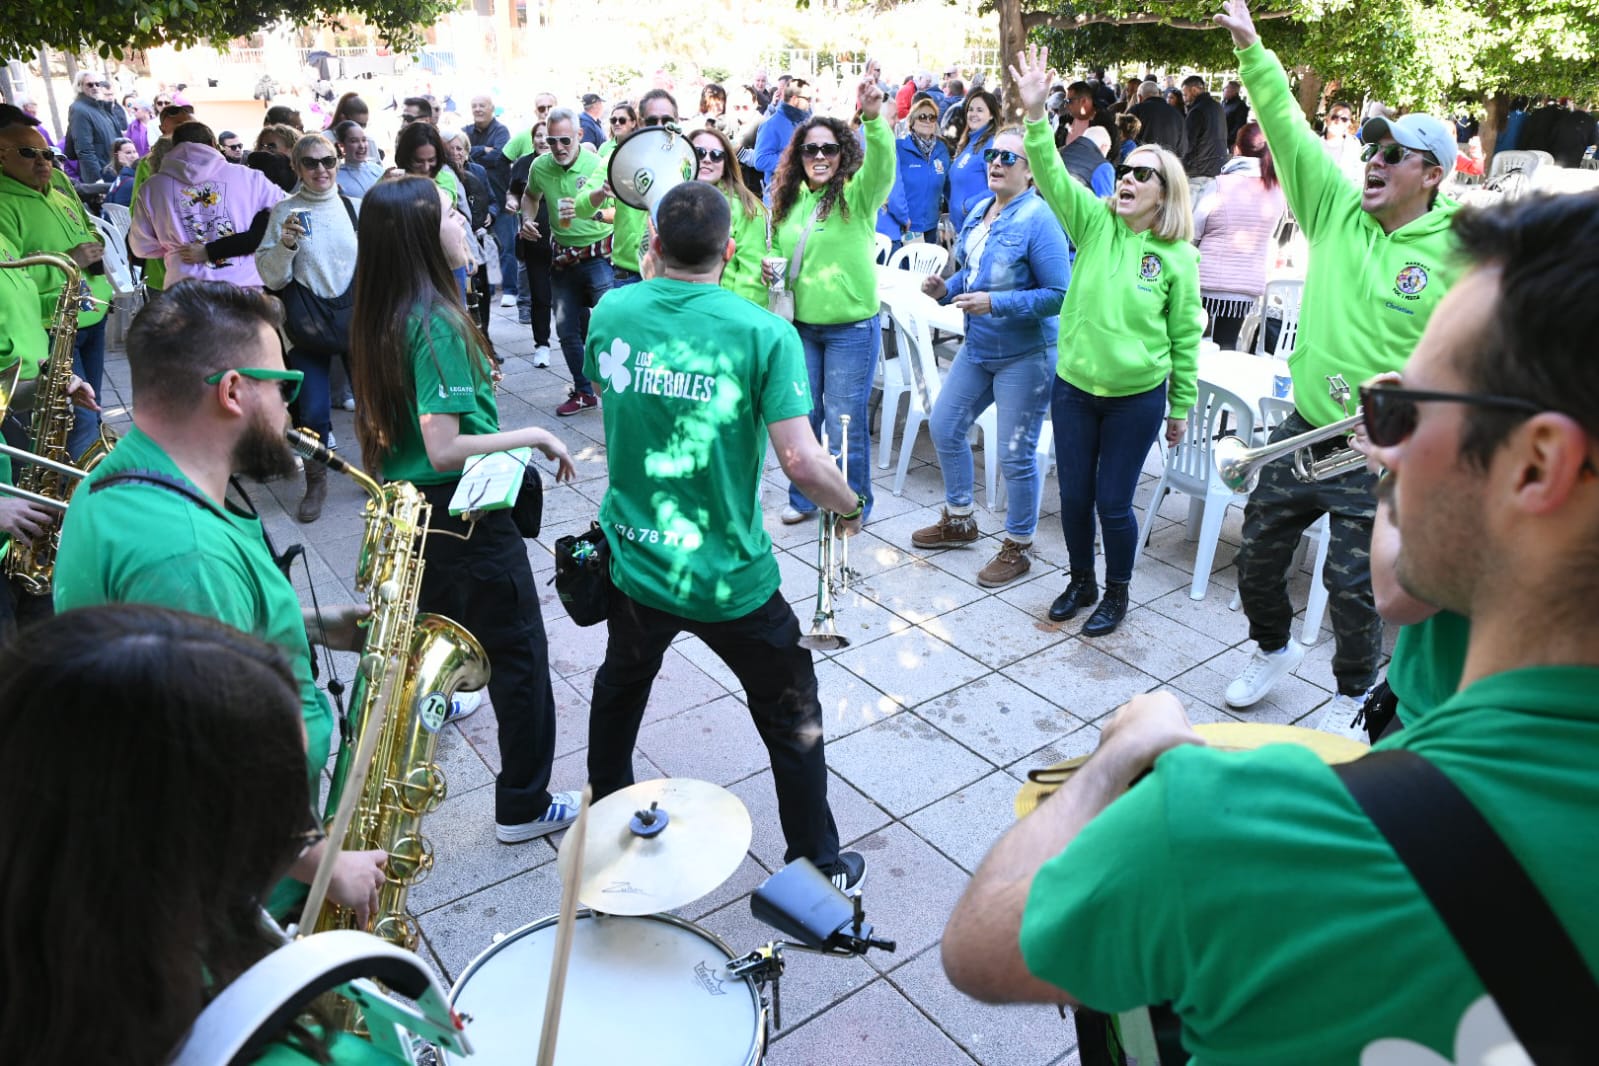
<point x="1112" y="609"/>
<point x="1081" y="591"/>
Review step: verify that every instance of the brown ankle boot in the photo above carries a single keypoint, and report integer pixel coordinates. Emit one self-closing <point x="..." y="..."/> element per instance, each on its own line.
<point x="950" y="531"/>
<point x="316" y="491"/>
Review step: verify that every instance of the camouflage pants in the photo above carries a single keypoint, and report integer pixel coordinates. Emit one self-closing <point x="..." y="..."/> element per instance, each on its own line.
<point x="1278" y="512"/>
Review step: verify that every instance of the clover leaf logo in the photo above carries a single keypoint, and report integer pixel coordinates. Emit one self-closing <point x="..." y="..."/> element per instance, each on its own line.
<point x="613" y="365"/>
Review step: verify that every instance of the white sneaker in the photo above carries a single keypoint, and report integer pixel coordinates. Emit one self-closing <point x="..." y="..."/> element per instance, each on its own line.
<point x="332" y="442"/>
<point x="507" y="300"/>
<point x="541" y="355"/>
<point x="464" y="705"/>
<point x="793" y="516"/>
<point x="1339" y="718"/>
<point x="1264" y="671"/>
<point x="561" y="813"/>
<point x="349" y="403"/>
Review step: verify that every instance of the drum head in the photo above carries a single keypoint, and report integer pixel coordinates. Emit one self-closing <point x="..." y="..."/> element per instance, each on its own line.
<point x="638" y="990"/>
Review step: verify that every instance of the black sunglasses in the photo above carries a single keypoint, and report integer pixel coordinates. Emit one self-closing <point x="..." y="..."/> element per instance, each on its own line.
<point x="33" y="153"/>
<point x="1140" y="174"/>
<point x="406" y="120"/>
<point x="1389" y="412"/>
<point x="234" y="147"/>
<point x="325" y="162"/>
<point x="1337" y="118"/>
<point x="1394" y="154"/>
<point x="1006" y="157"/>
<point x="715" y="155"/>
<point x="925" y="116"/>
<point x="828" y="150"/>
<point x="97" y="85"/>
<point x="658" y="120"/>
<point x="561" y="142"/>
<point x="620" y="120"/>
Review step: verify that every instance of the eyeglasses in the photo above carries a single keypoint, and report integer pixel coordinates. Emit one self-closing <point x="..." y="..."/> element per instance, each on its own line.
<point x="1393" y="154"/>
<point x="658" y="120"/>
<point x="543" y="109"/>
<point x="32" y="153"/>
<point x="715" y="155"/>
<point x="558" y="142"/>
<point x="326" y="162"/>
<point x="97" y="85"/>
<point x="1390" y="413"/>
<point x="163" y="103"/>
<point x="924" y="117"/>
<point x="288" y="380"/>
<point x="1006" y="157"/>
<point x="236" y="146"/>
<point x="406" y="120"/>
<point x="828" y="150"/>
<point x="1140" y="174"/>
<point x="620" y="120"/>
<point x="1337" y="118"/>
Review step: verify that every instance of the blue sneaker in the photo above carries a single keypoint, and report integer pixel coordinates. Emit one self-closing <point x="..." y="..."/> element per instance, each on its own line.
<point x="561" y="813"/>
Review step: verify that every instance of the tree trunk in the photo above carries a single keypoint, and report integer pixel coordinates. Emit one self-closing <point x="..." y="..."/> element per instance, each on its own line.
<point x="50" y="92"/>
<point x="1497" y="110"/>
<point x="1310" y="85"/>
<point x="1012" y="39"/>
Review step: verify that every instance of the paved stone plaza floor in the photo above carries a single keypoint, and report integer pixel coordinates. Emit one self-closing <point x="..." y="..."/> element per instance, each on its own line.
<point x="946" y="696"/>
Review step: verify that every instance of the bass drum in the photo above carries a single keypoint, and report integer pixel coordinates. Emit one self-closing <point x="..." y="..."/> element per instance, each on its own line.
<point x="653" y="989"/>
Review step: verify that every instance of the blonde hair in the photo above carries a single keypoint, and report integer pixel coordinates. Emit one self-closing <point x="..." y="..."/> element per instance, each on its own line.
<point x="1175" y="219"/>
<point x="309" y="140"/>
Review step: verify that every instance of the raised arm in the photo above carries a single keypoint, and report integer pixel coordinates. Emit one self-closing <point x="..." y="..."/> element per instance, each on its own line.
<point x="1078" y="209"/>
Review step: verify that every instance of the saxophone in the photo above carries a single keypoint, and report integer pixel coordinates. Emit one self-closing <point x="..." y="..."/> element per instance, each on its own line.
<point x="421" y="660"/>
<point x="33" y="563"/>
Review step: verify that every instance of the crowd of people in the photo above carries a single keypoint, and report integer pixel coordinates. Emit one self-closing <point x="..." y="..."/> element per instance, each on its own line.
<point x="1092" y="245"/>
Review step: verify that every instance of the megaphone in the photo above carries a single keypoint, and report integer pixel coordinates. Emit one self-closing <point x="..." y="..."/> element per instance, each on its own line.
<point x="650" y="163"/>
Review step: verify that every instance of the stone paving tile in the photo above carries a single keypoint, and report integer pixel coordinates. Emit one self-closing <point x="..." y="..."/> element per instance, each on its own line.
<point x="856" y="618"/>
<point x="918" y="591"/>
<point x="1018" y="1035"/>
<point x="1210" y="615"/>
<point x="1081" y="742"/>
<point x="849" y="703"/>
<point x="993" y="632"/>
<point x="998" y="718"/>
<point x="911" y="666"/>
<point x="1158" y="645"/>
<point x="904" y="763"/>
<point x="463" y="768"/>
<point x="855" y="815"/>
<point x="466" y="854"/>
<point x="1171" y="544"/>
<point x="462" y="929"/>
<point x="749" y="876"/>
<point x="964" y="824"/>
<point x="1290" y="700"/>
<point x="871" y="553"/>
<point x="1083" y="680"/>
<point x="877" y="1025"/>
<point x="715" y="742"/>
<point x="910" y="891"/>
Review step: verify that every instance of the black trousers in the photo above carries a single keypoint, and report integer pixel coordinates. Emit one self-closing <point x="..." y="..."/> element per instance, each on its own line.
<point x="486" y="584"/>
<point x="537" y="257"/>
<point x="779" y="679"/>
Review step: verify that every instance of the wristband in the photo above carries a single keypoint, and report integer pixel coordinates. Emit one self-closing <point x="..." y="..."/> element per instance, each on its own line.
<point x="860" y="506"/>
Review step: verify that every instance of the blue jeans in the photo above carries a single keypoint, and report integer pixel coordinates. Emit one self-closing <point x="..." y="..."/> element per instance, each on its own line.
<point x="313" y="406"/>
<point x="577" y="289"/>
<point x="1100" y="445"/>
<point x="1019" y="388"/>
<point x="621" y="277"/>
<point x="504" y="230"/>
<point x="88" y="362"/>
<point x="840" y="362"/>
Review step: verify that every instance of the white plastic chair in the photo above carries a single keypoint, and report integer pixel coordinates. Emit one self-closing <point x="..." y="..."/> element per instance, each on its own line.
<point x="1190" y="469"/>
<point x="920" y="258"/>
<point x="893" y="380"/>
<point x="117" y="270"/>
<point x="118" y="216"/>
<point x="1283" y="296"/>
<point x="1560" y="180"/>
<point x="885" y="248"/>
<point x="914" y="340"/>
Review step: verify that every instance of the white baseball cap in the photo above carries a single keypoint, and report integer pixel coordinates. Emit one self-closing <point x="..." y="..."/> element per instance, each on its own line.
<point x="1418" y="132"/>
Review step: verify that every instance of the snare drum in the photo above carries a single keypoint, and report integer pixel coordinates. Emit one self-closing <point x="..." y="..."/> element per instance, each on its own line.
<point x="653" y="989"/>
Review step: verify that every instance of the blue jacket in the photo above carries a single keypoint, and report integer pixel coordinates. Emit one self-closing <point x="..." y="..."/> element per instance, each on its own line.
<point x="1023" y="269"/>
<point x="894" y="216"/>
<point x="968" y="176"/>
<point x="924" y="178"/>
<point x="774" y="136"/>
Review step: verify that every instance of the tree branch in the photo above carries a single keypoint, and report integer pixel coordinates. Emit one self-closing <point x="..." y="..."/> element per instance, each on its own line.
<point x="1035" y="19"/>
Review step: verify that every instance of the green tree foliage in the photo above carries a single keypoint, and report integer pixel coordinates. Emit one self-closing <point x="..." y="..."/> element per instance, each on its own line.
<point x="112" y="27"/>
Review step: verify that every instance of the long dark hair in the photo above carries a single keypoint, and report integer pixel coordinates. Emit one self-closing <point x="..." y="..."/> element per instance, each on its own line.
<point x="154" y="767"/>
<point x="401" y="275"/>
<point x="732" y="182"/>
<point x="415" y="136"/>
<point x="1251" y="143"/>
<point x="349" y="105"/>
<point x="995" y="117"/>
<point x="790" y="172"/>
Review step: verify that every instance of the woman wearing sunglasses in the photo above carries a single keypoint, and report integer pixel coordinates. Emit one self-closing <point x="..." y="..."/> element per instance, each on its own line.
<point x="1129" y="345"/>
<point x="922" y="160"/>
<point x="308" y="259"/>
<point x="719" y="166"/>
<point x="426" y="385"/>
<point x="825" y="195"/>
<point x="1011" y="279"/>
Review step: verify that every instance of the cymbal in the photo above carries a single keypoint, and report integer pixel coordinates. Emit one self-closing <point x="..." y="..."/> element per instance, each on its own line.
<point x="706" y="834"/>
<point x="1224" y="736"/>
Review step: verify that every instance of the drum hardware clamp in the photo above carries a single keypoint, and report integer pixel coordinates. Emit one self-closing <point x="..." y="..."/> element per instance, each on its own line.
<point x="765" y="964"/>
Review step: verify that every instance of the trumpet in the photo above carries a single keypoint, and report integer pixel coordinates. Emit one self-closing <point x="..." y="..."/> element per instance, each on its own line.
<point x="832" y="565"/>
<point x="1240" y="465"/>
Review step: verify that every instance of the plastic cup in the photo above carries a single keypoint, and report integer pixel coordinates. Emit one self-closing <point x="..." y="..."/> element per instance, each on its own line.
<point x="777" y="266"/>
<point x="566" y="208"/>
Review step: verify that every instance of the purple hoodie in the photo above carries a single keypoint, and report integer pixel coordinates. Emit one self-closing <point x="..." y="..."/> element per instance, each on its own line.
<point x="197" y="197"/>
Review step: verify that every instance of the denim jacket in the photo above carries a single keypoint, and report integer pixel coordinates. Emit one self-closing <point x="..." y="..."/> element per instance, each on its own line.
<point x="1023" y="269"/>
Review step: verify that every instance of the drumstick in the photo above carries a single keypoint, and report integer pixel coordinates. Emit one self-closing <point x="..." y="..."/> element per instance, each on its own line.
<point x="563" y="928"/>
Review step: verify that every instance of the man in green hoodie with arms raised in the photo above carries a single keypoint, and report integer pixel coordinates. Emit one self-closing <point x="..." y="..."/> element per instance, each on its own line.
<point x="1381" y="258"/>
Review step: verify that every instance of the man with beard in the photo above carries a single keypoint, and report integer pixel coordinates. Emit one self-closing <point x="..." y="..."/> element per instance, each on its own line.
<point x="151" y="523"/>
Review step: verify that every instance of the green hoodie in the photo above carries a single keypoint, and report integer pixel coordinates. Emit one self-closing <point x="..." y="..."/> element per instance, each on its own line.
<point x="837" y="280"/>
<point x="22" y="334"/>
<point x="50" y="222"/>
<point x="1132" y="316"/>
<point x="1368" y="294"/>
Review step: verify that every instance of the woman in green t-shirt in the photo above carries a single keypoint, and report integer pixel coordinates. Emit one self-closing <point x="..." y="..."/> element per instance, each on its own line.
<point x="426" y="388"/>
<point x="718" y="164"/>
<point x="160" y="757"/>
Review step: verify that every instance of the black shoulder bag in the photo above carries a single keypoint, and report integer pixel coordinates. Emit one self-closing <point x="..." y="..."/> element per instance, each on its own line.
<point x="319" y="325"/>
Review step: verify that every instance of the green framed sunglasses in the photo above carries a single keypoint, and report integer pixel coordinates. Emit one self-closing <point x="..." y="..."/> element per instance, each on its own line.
<point x="289" y="381"/>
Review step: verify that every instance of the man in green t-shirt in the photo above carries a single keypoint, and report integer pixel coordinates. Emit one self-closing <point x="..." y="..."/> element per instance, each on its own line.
<point x="1381" y="260"/>
<point x="581" y="269"/>
<point x="209" y="402"/>
<point x="655" y="108"/>
<point x="1249" y="889"/>
<point x="695" y="380"/>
